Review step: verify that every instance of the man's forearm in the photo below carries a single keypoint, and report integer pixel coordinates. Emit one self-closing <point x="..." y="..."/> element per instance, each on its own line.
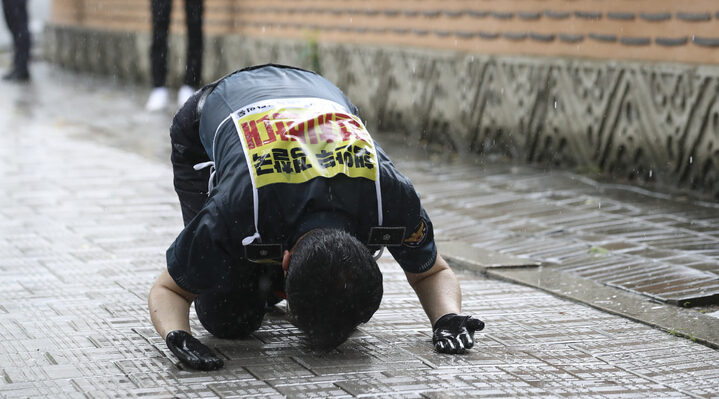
<point x="438" y="290"/>
<point x="169" y="306"/>
<point x="170" y="312"/>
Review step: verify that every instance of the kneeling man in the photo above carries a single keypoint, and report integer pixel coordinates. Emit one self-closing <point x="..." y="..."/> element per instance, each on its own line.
<point x="300" y="199"/>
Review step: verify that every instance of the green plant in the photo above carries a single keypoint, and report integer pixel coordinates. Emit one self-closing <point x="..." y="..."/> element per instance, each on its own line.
<point x="310" y="54"/>
<point x="598" y="251"/>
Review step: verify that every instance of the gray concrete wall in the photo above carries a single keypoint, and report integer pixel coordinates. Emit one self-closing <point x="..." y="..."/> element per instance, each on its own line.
<point x="654" y="123"/>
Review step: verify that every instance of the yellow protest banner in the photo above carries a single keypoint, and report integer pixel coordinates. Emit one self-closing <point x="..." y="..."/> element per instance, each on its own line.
<point x="287" y="143"/>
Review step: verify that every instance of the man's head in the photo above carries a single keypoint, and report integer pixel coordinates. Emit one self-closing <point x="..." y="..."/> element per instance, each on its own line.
<point x="332" y="285"/>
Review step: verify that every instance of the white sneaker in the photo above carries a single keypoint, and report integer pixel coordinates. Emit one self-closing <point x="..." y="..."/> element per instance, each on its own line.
<point x="157" y="100"/>
<point x="183" y="94"/>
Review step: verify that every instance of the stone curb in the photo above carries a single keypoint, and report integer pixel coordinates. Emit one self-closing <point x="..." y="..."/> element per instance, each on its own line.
<point x="677" y="321"/>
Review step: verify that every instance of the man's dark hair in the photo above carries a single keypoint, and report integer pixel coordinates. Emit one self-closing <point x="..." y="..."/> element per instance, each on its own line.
<point x="333" y="284"/>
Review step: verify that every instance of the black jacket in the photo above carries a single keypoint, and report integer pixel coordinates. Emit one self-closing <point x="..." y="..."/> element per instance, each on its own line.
<point x="210" y="248"/>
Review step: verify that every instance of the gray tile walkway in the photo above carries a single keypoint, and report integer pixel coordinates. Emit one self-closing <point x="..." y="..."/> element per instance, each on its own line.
<point x="84" y="226"/>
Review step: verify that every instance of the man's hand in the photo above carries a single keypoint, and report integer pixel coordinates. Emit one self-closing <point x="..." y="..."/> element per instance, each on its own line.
<point x="454" y="333"/>
<point x="192" y="352"/>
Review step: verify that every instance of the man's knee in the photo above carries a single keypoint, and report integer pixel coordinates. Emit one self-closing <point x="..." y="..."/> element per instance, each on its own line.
<point x="239" y="327"/>
<point x="226" y="317"/>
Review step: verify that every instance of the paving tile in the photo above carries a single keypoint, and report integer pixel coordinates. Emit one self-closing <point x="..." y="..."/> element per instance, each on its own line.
<point x="279" y="370"/>
<point x="244" y="389"/>
<point x="318" y="390"/>
<point x="406" y="385"/>
<point x="83" y="234"/>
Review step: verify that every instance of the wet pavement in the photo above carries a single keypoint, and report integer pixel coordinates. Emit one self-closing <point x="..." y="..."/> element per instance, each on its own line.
<point x="89" y="210"/>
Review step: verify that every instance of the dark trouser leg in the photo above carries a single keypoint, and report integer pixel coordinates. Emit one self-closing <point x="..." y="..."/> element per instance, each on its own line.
<point x="161" y="10"/>
<point x="187" y="150"/>
<point x="193" y="17"/>
<point x="237" y="311"/>
<point x="17" y="21"/>
<point x="191" y="203"/>
<point x="190" y="184"/>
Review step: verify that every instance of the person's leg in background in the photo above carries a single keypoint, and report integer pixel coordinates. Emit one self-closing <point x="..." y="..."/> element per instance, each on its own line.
<point x="17" y="21"/>
<point x="193" y="62"/>
<point x="161" y="10"/>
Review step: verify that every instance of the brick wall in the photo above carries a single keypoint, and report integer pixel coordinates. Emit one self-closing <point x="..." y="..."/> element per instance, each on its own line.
<point x="683" y="31"/>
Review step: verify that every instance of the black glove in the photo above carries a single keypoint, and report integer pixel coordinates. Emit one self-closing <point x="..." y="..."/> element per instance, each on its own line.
<point x="454" y="333"/>
<point x="192" y="352"/>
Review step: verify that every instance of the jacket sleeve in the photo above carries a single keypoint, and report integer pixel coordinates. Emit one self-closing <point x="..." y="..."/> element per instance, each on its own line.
<point x="402" y="207"/>
<point x="200" y="259"/>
